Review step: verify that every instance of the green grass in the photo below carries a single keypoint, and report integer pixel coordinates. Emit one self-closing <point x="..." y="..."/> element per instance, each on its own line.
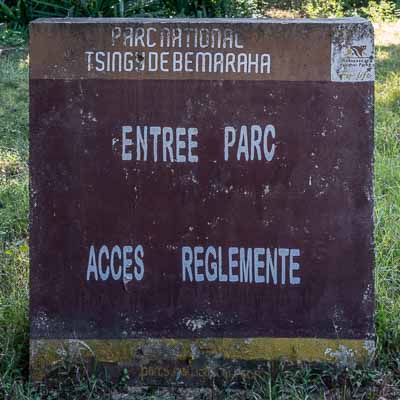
<point x="14" y="201"/>
<point x="282" y="381"/>
<point x="387" y="210"/>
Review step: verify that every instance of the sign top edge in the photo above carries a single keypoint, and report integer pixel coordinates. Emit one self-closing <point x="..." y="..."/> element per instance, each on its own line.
<point x="322" y="21"/>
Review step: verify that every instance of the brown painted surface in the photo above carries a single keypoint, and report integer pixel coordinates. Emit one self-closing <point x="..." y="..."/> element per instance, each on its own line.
<point x="88" y="195"/>
<point x="315" y="195"/>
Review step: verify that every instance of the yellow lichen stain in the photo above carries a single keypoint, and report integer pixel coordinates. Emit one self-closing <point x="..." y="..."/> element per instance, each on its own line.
<point x="45" y="354"/>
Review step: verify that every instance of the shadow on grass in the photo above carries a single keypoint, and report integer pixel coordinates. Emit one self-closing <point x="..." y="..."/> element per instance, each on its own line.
<point x="388" y="58"/>
<point x="387" y="90"/>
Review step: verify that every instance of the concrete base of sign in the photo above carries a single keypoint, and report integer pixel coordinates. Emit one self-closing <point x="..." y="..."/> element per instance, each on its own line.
<point x="192" y="361"/>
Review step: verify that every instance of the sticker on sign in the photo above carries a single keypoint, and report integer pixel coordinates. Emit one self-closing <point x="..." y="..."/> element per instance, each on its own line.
<point x="352" y="56"/>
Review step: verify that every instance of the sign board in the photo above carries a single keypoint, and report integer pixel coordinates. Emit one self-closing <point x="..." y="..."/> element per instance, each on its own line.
<point x="201" y="194"/>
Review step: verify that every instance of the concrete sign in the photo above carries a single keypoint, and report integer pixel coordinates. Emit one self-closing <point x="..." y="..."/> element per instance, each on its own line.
<point x="201" y="194"/>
